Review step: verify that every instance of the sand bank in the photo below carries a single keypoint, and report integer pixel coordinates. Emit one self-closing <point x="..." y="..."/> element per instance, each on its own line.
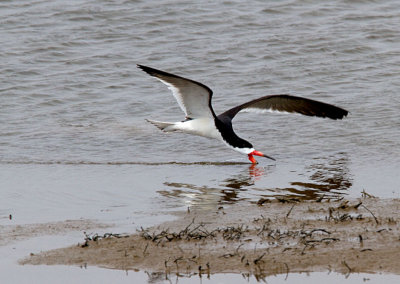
<point x="270" y="237"/>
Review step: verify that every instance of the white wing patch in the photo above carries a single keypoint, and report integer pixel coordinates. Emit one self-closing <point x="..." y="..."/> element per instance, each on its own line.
<point x="192" y="98"/>
<point x="262" y="110"/>
<point x="177" y="94"/>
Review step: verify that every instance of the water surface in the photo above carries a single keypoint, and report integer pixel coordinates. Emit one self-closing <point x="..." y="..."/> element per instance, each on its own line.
<point x="73" y="138"/>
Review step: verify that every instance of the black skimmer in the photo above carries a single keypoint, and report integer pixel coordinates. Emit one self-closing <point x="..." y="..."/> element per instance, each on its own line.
<point x="194" y="98"/>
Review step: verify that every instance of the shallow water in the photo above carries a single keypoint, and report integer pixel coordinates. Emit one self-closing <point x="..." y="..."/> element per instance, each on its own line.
<point x="74" y="142"/>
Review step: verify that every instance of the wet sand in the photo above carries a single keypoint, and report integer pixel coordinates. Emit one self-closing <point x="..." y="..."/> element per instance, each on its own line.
<point x="270" y="237"/>
<point x="14" y="233"/>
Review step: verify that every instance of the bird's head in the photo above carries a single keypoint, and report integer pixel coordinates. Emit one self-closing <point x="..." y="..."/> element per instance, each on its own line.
<point x="257" y="153"/>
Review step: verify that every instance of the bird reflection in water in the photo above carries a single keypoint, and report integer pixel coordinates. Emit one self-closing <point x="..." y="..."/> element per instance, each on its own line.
<point x="239" y="183"/>
<point x="204" y="196"/>
<point x="329" y="177"/>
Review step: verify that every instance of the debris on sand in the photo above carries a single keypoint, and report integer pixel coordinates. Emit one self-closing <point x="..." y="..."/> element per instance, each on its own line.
<point x="271" y="237"/>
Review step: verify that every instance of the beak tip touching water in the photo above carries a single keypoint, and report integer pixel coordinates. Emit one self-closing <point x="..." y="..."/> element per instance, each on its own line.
<point x="265" y="156"/>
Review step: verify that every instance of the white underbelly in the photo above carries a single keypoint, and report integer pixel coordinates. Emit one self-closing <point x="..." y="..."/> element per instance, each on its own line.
<point x="200" y="126"/>
<point x="206" y="127"/>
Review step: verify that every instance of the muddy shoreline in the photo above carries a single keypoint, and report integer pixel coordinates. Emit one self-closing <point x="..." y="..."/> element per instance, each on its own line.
<point x="271" y="237"/>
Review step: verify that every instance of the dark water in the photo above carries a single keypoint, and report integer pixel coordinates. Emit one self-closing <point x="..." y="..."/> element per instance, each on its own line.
<point x="74" y="142"/>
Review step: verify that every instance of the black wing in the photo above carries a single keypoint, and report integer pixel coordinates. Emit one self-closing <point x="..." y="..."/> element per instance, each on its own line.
<point x="287" y="103"/>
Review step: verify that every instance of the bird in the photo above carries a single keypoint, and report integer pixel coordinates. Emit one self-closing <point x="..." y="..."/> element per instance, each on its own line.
<point x="194" y="98"/>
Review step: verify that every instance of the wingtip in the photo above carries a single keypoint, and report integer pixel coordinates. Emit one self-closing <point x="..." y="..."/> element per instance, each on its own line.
<point x="144" y="68"/>
<point x="343" y="114"/>
<point x="149" y="70"/>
